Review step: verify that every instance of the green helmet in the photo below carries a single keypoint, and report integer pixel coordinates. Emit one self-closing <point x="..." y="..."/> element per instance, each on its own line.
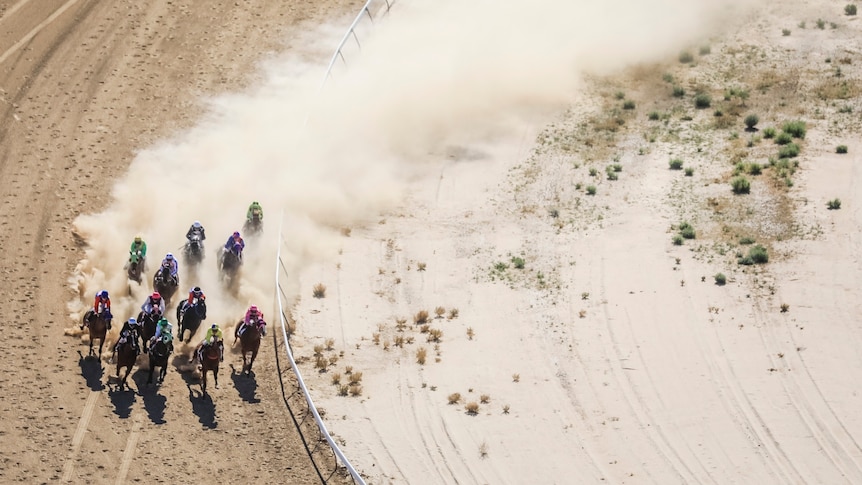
<point x="164" y="322"/>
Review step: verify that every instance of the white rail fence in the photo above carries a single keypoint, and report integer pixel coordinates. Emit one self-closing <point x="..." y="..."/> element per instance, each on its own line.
<point x="371" y="10"/>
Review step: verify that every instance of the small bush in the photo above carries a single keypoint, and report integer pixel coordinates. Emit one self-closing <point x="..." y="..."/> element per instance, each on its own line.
<point x="795" y="128"/>
<point x="769" y="132"/>
<point x="841" y="149"/>
<point x="785" y="32"/>
<point x="785" y="308"/>
<point x="454" y="398"/>
<point x="850" y="9"/>
<point x="421" y="355"/>
<point x="355" y="390"/>
<point x="720" y="279"/>
<point x="628" y="104"/>
<point x="705" y="50"/>
<point x="319" y="290"/>
<point x="439" y="311"/>
<point x="620" y="95"/>
<point x="746" y="241"/>
<point x="788" y="151"/>
<point x="453" y="313"/>
<point x="758" y="254"/>
<point x="686" y="57"/>
<point x="833" y="204"/>
<point x="593" y="171"/>
<point x="754" y="168"/>
<point x="617" y="167"/>
<point x="751" y="121"/>
<point x="421" y="317"/>
<point x="687" y="232"/>
<point x="591" y="190"/>
<point x="740" y="185"/>
<point x="611" y="174"/>
<point x="783" y="138"/>
<point x="689" y="171"/>
<point x="653" y="115"/>
<point x="472" y="408"/>
<point x="675" y="164"/>
<point x="677" y="240"/>
<point x="702" y="101"/>
<point x="518" y="262"/>
<point x="821" y="24"/>
<point x="678" y="92"/>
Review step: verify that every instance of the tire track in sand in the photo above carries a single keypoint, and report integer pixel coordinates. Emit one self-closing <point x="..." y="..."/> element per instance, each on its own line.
<point x="78" y="438"/>
<point x="35" y="30"/>
<point x="129" y="452"/>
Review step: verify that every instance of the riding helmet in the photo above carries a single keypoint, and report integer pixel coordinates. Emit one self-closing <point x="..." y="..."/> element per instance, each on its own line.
<point x="138" y="239"/>
<point x="132" y="322"/>
<point x="156" y="295"/>
<point x="169" y="256"/>
<point x="197" y="225"/>
<point x="103" y="293"/>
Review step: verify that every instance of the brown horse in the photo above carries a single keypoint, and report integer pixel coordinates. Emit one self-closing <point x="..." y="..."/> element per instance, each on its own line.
<point x="210" y="356"/>
<point x="98" y="328"/>
<point x="159" y="353"/>
<point x="126" y="357"/>
<point x="250" y="343"/>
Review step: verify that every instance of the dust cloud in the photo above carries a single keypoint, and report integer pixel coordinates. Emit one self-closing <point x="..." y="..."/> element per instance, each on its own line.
<point x="432" y="74"/>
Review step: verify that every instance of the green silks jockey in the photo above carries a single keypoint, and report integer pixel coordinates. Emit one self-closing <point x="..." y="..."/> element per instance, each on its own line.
<point x="138" y="250"/>
<point x="254" y="211"/>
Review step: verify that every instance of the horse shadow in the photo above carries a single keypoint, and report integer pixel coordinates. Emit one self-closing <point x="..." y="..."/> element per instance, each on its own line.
<point x="245" y="385"/>
<point x="154" y="403"/>
<point x="122" y="400"/>
<point x="92" y="371"/>
<point x="202" y="404"/>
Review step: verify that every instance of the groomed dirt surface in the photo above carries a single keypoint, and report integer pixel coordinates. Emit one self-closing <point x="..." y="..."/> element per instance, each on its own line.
<point x="83" y="84"/>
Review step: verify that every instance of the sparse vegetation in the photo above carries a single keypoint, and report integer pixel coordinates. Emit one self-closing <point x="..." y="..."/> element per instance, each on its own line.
<point x="454" y="398"/>
<point x="421" y="355"/>
<point x="470" y="333"/>
<point x="472" y="408"/>
<point x="319" y="290"/>
<point x="745" y="241"/>
<point x="420" y="266"/>
<point x="751" y="121"/>
<point x="795" y="128"/>
<point x="688" y="171"/>
<point x="677" y="240"/>
<point x="788" y="151"/>
<point x="628" y="104"/>
<point x="686" y="57"/>
<point x="704" y="50"/>
<point x="678" y="92"/>
<point x="740" y="185"/>
<point x="686" y="230"/>
<point x="785" y="308"/>
<point x="591" y="190"/>
<point x="675" y="164"/>
<point x="439" y="311"/>
<point x="421" y="317"/>
<point x="850" y="9"/>
<point x="518" y="262"/>
<point x="516" y="377"/>
<point x="783" y="138"/>
<point x="769" y="132"/>
<point x="785" y="32"/>
<point x="653" y="115"/>
<point x="756" y="255"/>
<point x="720" y="279"/>
<point x="702" y="101"/>
<point x="453" y="313"/>
<point x="842" y="149"/>
<point x="834" y="204"/>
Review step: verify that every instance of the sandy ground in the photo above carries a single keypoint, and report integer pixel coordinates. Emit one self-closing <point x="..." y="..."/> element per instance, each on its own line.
<point x="613" y="356"/>
<point x="83" y="85"/>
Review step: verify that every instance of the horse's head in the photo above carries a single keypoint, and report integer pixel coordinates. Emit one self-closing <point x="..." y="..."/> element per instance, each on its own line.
<point x="134" y="257"/>
<point x="237" y="249"/>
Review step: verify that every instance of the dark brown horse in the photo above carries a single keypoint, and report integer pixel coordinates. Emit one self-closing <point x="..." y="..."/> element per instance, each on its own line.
<point x="165" y="284"/>
<point x="210" y="356"/>
<point x="250" y="343"/>
<point x="126" y="356"/>
<point x="159" y="353"/>
<point x="98" y="328"/>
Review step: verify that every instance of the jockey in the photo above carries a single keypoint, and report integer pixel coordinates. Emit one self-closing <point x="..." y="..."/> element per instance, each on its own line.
<point x="139" y="247"/>
<point x="254" y="209"/>
<point x="130" y="330"/>
<point x="171" y="262"/>
<point x="196" y="295"/>
<point x="102" y="307"/>
<point x="163" y="329"/>
<point x="154" y="305"/>
<point x="253" y="317"/>
<point x="198" y="230"/>
<point x="214" y="336"/>
<point x="235" y="238"/>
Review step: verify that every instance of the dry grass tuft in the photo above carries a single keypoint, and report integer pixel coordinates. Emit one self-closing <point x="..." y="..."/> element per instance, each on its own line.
<point x="516" y="377"/>
<point x="484" y="399"/>
<point x="330" y="342"/>
<point x="424" y="328"/>
<point x="420" y="266"/>
<point x="470" y="333"/>
<point x="421" y="354"/>
<point x="421" y="317"/>
<point x="343" y="390"/>
<point x="355" y="389"/>
<point x="472" y="408"/>
<point x="319" y="290"/>
<point x="453" y="313"/>
<point x="386" y="344"/>
<point x="439" y="311"/>
<point x="399" y="341"/>
<point x="375" y="337"/>
<point x="321" y="363"/>
<point x="355" y="378"/>
<point x="318" y="350"/>
<point x="435" y="335"/>
<point x="454" y="398"/>
<point x="505" y="409"/>
<point x="336" y="379"/>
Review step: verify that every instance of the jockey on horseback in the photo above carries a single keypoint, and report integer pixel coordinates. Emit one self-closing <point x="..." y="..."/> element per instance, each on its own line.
<point x="154" y="306"/>
<point x="196" y="229"/>
<point x="138" y="247"/>
<point x="163" y="329"/>
<point x="214" y="336"/>
<point x="196" y="295"/>
<point x="252" y="317"/>
<point x="233" y="240"/>
<point x="173" y="265"/>
<point x="130" y="330"/>
<point x="101" y="308"/>
<point x="254" y="210"/>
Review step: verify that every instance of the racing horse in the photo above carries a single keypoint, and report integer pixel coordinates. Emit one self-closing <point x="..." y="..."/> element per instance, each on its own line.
<point x="126" y="356"/>
<point x="165" y="284"/>
<point x="135" y="266"/>
<point x="253" y="226"/>
<point x="159" y="353"/>
<point x="194" y="250"/>
<point x="190" y="317"/>
<point x="97" y="325"/>
<point x="148" y="327"/>
<point x="249" y="342"/>
<point x="209" y="360"/>
<point x="230" y="263"/>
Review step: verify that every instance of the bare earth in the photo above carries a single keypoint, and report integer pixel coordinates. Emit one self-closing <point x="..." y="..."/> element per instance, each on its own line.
<point x="84" y="84"/>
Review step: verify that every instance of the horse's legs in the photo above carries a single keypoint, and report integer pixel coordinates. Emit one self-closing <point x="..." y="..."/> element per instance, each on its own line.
<point x="215" y="377"/>
<point x="164" y="373"/>
<point x="253" y="356"/>
<point x="204" y="381"/>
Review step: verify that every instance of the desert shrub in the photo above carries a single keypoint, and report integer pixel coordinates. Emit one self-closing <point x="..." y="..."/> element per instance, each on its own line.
<point x="591" y="190"/>
<point x="453" y="313"/>
<point x="702" y="101"/>
<point x="785" y="32"/>
<point x="620" y="95"/>
<point x="319" y="290"/>
<point x="518" y="262"/>
<point x="821" y="24"/>
<point x="720" y="279"/>
<point x="687" y="232"/>
<point x="421" y="317"/>
<point x="675" y="164"/>
<point x="785" y="308"/>
<point x="421" y="355"/>
<point x="795" y="128"/>
<point x="678" y="92"/>
<point x="801" y="24"/>
<point x="718" y="113"/>
<point x="355" y="378"/>
<point x="593" y="171"/>
<point x="788" y="151"/>
<point x="746" y="241"/>
<point x="653" y="115"/>
<point x="617" y="167"/>
<point x="686" y="57"/>
<point x="439" y="311"/>
<point x="769" y="132"/>
<point x="472" y="408"/>
<point x="783" y="138"/>
<point x="833" y="204"/>
<point x="667" y="77"/>
<point x="754" y="168"/>
<point x="845" y="109"/>
<point x="705" y="50"/>
<point x="454" y="398"/>
<point x="611" y="174"/>
<point x="689" y="171"/>
<point x="484" y="399"/>
<point x="841" y="149"/>
<point x="677" y="240"/>
<point x="751" y="121"/>
<point x="740" y="185"/>
<point x="628" y="104"/>
<point x="850" y="9"/>
<point x="758" y="254"/>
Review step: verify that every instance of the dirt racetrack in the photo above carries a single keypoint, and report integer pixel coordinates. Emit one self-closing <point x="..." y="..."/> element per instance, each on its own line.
<point x="83" y="85"/>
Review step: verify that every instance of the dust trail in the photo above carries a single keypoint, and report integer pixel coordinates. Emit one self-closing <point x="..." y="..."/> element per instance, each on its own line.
<point x="434" y="73"/>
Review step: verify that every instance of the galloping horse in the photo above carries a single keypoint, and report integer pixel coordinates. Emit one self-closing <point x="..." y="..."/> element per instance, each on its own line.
<point x="126" y="357"/>
<point x="194" y="250"/>
<point x="190" y="317"/>
<point x="135" y="266"/>
<point x="148" y="328"/>
<point x="254" y="226"/>
<point x="98" y="328"/>
<point x="159" y="353"/>
<point x="250" y="342"/>
<point x="229" y="263"/>
<point x="210" y="356"/>
<point x="165" y="284"/>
